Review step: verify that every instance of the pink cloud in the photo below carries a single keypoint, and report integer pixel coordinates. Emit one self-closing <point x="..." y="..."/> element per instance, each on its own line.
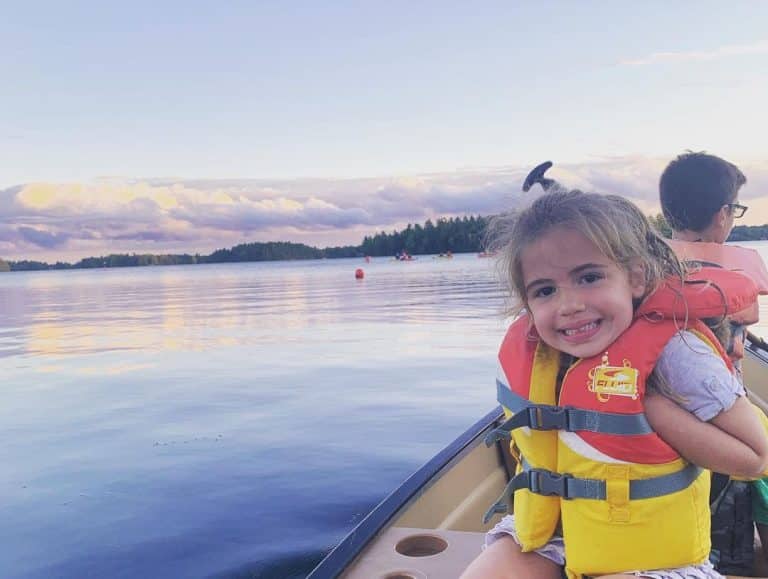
<point x="71" y="220"/>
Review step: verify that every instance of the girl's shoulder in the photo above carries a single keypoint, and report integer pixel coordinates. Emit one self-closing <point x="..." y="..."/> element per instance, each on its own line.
<point x="687" y="344"/>
<point x="697" y="378"/>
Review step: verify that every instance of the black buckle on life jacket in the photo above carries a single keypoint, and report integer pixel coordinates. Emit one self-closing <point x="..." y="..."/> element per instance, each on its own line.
<point x="548" y="483"/>
<point x="548" y="417"/>
<point x="537" y="480"/>
<point x="535" y="416"/>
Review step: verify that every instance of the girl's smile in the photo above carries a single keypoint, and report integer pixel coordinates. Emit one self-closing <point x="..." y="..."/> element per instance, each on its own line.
<point x="582" y="332"/>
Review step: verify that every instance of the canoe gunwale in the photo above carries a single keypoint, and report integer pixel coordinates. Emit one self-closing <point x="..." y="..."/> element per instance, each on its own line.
<point x="757" y="346"/>
<point x="339" y="559"/>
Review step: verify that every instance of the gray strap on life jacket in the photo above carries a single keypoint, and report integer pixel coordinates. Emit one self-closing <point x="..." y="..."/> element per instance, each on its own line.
<point x="550" y="417"/>
<point x="547" y="483"/>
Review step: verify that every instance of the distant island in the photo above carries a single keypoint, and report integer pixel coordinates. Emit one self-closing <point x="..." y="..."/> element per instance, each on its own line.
<point x="457" y="235"/>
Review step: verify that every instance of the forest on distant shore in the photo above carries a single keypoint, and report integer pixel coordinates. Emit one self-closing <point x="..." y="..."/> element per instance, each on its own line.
<point x="457" y="235"/>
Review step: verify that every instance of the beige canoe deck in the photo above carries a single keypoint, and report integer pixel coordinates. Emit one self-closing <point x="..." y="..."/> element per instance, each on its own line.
<point x="441" y="532"/>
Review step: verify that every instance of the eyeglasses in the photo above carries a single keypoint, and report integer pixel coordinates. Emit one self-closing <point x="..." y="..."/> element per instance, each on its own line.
<point x="737" y="209"/>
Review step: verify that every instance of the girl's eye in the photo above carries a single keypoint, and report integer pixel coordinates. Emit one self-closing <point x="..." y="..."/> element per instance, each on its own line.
<point x="591" y="277"/>
<point x="544" y="291"/>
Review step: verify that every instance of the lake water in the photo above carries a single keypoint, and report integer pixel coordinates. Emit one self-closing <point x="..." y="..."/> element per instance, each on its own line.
<point x="228" y="420"/>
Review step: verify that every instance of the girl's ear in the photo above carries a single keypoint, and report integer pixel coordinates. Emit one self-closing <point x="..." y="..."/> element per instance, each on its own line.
<point x="637" y="281"/>
<point x="531" y="334"/>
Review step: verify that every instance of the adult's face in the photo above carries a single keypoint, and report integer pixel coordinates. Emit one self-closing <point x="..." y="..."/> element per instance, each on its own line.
<point x="723" y="221"/>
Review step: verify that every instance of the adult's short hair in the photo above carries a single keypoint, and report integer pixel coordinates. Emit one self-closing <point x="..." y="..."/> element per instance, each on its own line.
<point x="694" y="187"/>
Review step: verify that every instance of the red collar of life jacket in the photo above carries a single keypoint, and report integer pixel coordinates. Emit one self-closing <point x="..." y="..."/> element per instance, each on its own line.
<point x="709" y="292"/>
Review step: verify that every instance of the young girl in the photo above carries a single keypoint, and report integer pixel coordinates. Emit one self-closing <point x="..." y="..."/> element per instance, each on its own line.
<point x="585" y="267"/>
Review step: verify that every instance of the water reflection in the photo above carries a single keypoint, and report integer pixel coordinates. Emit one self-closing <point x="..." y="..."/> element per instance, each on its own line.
<point x="87" y="312"/>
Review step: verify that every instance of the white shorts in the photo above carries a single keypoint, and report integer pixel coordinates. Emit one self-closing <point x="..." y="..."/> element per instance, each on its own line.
<point x="554" y="550"/>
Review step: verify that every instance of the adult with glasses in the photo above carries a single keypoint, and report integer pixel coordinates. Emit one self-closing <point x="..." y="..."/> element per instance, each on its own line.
<point x="699" y="196"/>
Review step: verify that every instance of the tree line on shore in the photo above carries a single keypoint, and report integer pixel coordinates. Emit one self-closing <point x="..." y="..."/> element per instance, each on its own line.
<point x="257" y="251"/>
<point x="457" y="235"/>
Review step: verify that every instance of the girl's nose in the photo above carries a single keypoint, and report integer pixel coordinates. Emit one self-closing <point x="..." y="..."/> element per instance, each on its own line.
<point x="571" y="301"/>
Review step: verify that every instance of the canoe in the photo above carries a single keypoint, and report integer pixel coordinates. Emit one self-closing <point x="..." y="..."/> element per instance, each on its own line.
<point x="431" y="526"/>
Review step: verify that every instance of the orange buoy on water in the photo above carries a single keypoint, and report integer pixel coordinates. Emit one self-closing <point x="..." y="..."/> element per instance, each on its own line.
<point x="359" y="273"/>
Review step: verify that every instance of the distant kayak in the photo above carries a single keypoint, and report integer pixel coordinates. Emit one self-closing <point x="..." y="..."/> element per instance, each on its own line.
<point x="486" y="254"/>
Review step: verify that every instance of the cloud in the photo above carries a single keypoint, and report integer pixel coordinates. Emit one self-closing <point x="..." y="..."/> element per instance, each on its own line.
<point x="65" y="221"/>
<point x="760" y="47"/>
<point x="246" y="214"/>
<point x="43" y="238"/>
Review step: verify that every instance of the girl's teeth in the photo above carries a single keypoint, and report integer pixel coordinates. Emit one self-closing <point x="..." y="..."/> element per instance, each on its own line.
<point x="585" y="328"/>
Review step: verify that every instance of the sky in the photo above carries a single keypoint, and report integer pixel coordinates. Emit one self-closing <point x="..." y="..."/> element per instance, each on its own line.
<point x="187" y="126"/>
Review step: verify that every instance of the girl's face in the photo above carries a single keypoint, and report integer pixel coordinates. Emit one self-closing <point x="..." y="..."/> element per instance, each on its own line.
<point x="580" y="301"/>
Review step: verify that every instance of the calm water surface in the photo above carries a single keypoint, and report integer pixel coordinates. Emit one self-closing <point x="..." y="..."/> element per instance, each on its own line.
<point x="228" y="420"/>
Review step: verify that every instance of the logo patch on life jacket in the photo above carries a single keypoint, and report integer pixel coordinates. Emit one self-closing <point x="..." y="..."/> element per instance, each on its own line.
<point x="607" y="381"/>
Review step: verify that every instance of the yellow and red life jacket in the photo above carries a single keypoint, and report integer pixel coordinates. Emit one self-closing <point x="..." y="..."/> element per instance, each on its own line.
<point x="626" y="499"/>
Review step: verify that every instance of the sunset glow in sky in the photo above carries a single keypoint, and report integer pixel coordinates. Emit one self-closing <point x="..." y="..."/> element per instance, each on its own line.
<point x="190" y="126"/>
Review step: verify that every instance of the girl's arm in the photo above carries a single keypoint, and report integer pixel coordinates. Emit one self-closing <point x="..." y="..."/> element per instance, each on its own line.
<point x="734" y="442"/>
<point x="742" y="422"/>
<point x="691" y="375"/>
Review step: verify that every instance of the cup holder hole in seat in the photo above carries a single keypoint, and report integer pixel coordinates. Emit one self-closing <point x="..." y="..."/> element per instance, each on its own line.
<point x="420" y="546"/>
